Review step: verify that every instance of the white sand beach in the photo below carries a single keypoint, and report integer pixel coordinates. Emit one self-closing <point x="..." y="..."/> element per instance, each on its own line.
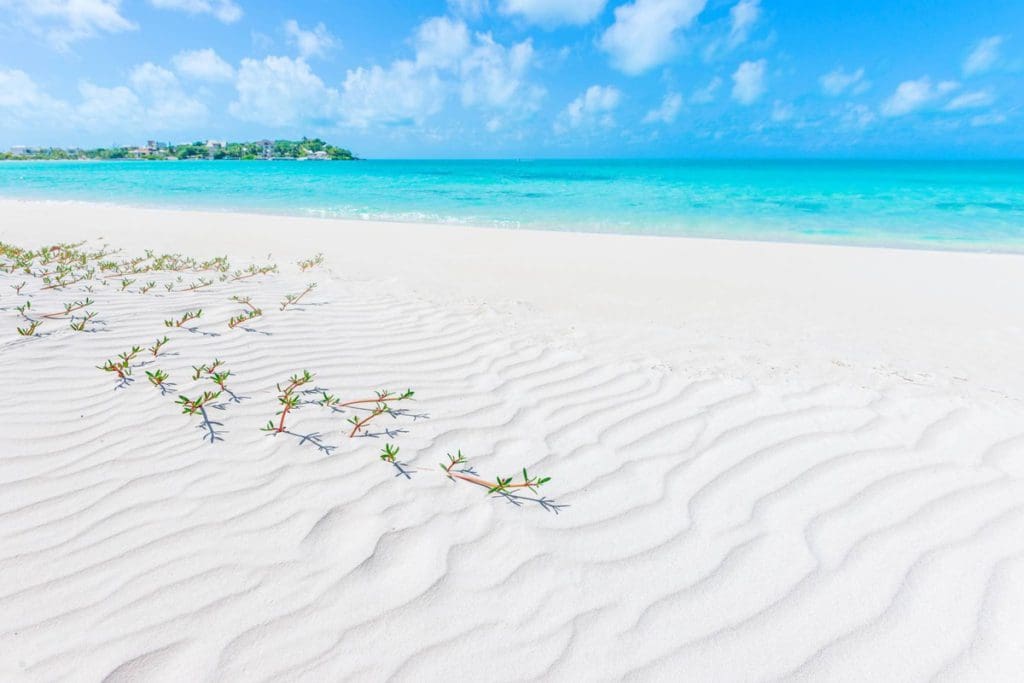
<point x="777" y="461"/>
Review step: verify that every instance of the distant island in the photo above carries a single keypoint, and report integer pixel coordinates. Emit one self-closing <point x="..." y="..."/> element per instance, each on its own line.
<point x="306" y="148"/>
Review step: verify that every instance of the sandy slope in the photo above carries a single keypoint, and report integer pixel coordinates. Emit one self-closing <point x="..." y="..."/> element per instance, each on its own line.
<point x="780" y="461"/>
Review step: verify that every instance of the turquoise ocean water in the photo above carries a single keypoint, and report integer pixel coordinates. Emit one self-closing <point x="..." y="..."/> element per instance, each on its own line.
<point x="976" y="205"/>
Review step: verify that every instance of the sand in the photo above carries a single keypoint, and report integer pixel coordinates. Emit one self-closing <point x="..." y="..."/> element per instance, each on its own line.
<point x="777" y="461"/>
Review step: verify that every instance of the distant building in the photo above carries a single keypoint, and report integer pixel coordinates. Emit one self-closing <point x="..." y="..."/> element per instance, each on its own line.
<point x="19" y="151"/>
<point x="319" y="156"/>
<point x="214" y="145"/>
<point x="267" y="149"/>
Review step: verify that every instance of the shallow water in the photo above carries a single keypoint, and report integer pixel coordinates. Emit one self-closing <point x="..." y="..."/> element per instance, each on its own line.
<point x="972" y="205"/>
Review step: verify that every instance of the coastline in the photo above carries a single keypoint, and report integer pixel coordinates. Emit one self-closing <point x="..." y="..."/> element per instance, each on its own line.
<point x="778" y="459"/>
<point x="870" y="305"/>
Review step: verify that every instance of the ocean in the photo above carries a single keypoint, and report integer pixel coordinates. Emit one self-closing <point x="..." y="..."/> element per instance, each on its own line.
<point x="961" y="205"/>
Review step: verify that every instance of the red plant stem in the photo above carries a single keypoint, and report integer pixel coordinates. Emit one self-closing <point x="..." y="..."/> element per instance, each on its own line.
<point x="476" y="480"/>
<point x="284" y="413"/>
<point x="359" y="425"/>
<point x="287" y="394"/>
<point x="386" y="397"/>
<point x="70" y="310"/>
<point x="296" y="299"/>
<point x="59" y="285"/>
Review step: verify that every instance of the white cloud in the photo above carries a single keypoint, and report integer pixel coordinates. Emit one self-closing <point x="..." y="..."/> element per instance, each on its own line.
<point x="281" y="91"/>
<point x="315" y="43"/>
<point x="971" y="100"/>
<point x="550" y="13"/>
<point x="62" y="22"/>
<point x="912" y="95"/>
<point x="782" y="111"/>
<point x="441" y="42"/>
<point x="837" y="81"/>
<point x="644" y="32"/>
<point x="165" y="103"/>
<point x="743" y="16"/>
<point x="152" y="100"/>
<point x="224" y="10"/>
<point x="591" y="109"/>
<point x="203" y="65"/>
<point x="113" y="108"/>
<point x="857" y="116"/>
<point x="495" y="77"/>
<point x="401" y="93"/>
<point x="706" y="95"/>
<point x="484" y="73"/>
<point x="23" y="102"/>
<point x="748" y="82"/>
<point x="471" y="9"/>
<point x="987" y="120"/>
<point x="984" y="56"/>
<point x="667" y="111"/>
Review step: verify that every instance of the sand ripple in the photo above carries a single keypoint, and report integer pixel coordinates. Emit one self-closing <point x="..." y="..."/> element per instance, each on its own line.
<point x="719" y="528"/>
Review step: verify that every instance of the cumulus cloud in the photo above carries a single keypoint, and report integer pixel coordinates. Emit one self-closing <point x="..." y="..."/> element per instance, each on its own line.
<point x="224" y="10"/>
<point x="706" y="95"/>
<point x="398" y="94"/>
<point x="62" y="22"/>
<point x="837" y="81"/>
<point x="984" y="56"/>
<point x="591" y="109"/>
<point x="441" y="42"/>
<point x="644" y="34"/>
<point x="494" y="76"/>
<point x="165" y="104"/>
<point x="281" y="91"/>
<point x="668" y="111"/>
<point x="550" y="13"/>
<point x="151" y="100"/>
<point x="203" y="65"/>
<point x="22" y="101"/>
<point x="748" y="81"/>
<point x="742" y="17"/>
<point x="116" y="107"/>
<point x="310" y="43"/>
<point x="971" y="100"/>
<point x="913" y="95"/>
<point x="484" y="73"/>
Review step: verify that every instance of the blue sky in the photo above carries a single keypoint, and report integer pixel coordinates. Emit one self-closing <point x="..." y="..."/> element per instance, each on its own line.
<point x="523" y="78"/>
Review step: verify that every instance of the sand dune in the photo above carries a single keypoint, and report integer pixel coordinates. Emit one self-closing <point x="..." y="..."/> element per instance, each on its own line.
<point x="741" y="506"/>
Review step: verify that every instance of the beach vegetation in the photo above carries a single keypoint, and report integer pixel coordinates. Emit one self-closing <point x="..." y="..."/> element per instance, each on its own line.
<point x="292" y="299"/>
<point x="288" y="399"/>
<point x="187" y="317"/>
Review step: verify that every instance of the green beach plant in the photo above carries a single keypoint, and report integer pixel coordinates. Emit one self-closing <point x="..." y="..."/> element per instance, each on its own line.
<point x="69" y="309"/>
<point x="307" y="264"/>
<point x="157" y="377"/>
<point x="158" y="346"/>
<point x="288" y="399"/>
<point x="292" y="299"/>
<point x="187" y="317"/>
<point x="30" y="329"/>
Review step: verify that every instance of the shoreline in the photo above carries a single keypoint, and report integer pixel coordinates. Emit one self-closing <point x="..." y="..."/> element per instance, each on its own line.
<point x="766" y="461"/>
<point x="311" y="214"/>
<point x="873" y="306"/>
